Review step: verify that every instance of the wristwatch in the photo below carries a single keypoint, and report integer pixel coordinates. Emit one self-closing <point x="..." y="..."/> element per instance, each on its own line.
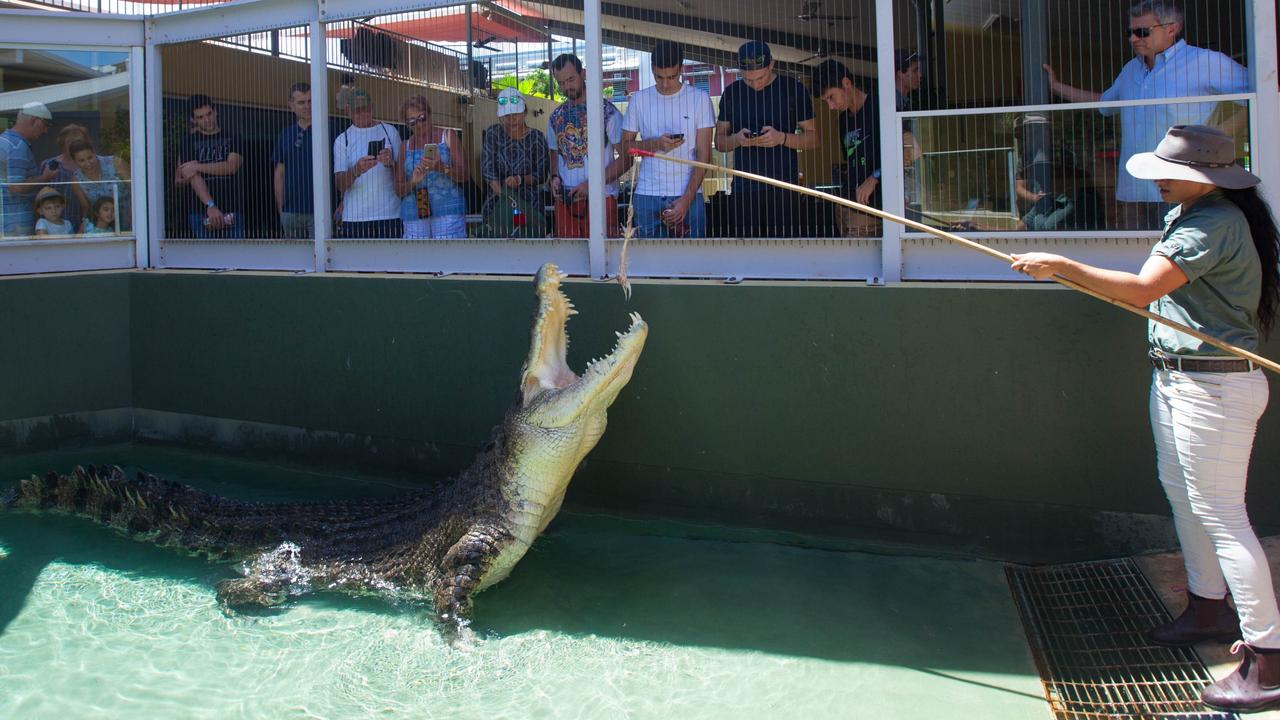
<point x="209" y="204"/>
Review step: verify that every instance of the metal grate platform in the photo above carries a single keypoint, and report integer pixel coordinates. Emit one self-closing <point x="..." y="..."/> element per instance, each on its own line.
<point x="1085" y="625"/>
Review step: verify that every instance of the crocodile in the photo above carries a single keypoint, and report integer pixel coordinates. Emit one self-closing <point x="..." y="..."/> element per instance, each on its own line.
<point x="442" y="544"/>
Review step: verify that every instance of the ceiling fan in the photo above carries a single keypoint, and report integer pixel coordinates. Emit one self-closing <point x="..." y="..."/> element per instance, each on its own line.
<point x="809" y="10"/>
<point x="819" y="54"/>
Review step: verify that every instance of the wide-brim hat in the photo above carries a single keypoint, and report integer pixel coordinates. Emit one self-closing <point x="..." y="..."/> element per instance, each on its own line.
<point x="45" y="193"/>
<point x="1193" y="152"/>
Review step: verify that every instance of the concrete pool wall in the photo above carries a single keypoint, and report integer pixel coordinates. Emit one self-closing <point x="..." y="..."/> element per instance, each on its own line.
<point x="994" y="420"/>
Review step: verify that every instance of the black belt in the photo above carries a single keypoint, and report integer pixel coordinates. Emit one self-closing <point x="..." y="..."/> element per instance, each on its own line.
<point x="1194" y="364"/>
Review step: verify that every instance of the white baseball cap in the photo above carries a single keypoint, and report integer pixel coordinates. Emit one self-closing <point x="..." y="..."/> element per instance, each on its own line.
<point x="37" y="109"/>
<point x="510" y="102"/>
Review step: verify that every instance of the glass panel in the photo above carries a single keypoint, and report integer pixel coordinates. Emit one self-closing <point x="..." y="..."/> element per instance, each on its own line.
<point x="1046" y="171"/>
<point x="64" y="151"/>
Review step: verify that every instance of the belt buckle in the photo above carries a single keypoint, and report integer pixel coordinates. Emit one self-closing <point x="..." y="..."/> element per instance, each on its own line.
<point x="1164" y="362"/>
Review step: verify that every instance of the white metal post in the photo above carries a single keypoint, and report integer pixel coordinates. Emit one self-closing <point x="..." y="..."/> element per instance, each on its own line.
<point x="321" y="177"/>
<point x="154" y="135"/>
<point x="891" y="175"/>
<point x="1264" y="150"/>
<point x="138" y="194"/>
<point x="594" y="62"/>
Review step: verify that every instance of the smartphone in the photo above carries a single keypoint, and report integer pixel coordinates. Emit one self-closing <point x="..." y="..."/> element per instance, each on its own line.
<point x="375" y="147"/>
<point x="676" y="136"/>
<point x="754" y="133"/>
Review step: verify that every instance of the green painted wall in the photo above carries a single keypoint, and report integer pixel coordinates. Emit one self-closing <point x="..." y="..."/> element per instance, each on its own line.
<point x="64" y="345"/>
<point x="969" y="417"/>
<point x="763" y="402"/>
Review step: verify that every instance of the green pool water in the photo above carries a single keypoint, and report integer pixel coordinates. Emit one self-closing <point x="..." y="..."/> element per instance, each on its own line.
<point x="605" y="618"/>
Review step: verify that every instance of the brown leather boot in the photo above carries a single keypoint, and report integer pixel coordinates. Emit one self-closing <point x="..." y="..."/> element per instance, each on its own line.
<point x="1254" y="686"/>
<point x="1204" y="619"/>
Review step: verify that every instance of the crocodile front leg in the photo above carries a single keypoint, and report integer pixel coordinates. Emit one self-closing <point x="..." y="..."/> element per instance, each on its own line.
<point x="461" y="571"/>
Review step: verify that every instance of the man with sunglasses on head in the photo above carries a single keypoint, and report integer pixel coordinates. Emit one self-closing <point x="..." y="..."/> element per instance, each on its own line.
<point x="1165" y="66"/>
<point x="764" y="119"/>
<point x="292" y="162"/>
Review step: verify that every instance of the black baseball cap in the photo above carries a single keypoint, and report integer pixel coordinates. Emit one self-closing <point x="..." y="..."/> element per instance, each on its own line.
<point x="754" y="55"/>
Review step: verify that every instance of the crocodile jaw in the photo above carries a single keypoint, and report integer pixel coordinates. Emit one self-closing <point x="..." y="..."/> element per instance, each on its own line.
<point x="552" y="394"/>
<point x="560" y="419"/>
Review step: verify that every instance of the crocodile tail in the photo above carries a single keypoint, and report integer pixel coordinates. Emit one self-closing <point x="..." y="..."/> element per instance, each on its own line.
<point x="146" y="508"/>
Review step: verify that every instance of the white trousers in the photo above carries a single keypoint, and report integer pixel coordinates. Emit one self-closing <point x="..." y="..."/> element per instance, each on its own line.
<point x="1204" y="426"/>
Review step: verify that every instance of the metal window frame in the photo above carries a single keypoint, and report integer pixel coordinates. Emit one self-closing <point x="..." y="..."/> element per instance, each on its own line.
<point x="85" y="32"/>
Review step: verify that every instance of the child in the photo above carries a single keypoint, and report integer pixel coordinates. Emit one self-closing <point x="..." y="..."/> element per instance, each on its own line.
<point x="49" y="206"/>
<point x="104" y="217"/>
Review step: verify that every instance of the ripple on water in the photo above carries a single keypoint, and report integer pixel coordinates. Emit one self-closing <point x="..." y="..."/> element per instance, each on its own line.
<point x="92" y="641"/>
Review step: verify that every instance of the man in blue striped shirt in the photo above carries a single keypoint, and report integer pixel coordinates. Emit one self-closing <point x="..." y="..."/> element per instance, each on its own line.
<point x="1165" y="66"/>
<point x="18" y="182"/>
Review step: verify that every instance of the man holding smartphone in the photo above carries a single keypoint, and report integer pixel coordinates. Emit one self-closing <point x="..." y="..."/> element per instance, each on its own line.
<point x="764" y="119"/>
<point x="364" y="170"/>
<point x="675" y="119"/>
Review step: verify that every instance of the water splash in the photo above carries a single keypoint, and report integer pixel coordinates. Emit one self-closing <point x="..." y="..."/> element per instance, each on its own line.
<point x="280" y="568"/>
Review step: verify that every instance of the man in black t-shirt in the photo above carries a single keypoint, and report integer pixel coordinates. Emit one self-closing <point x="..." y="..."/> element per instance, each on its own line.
<point x="209" y="162"/>
<point x="859" y="138"/>
<point x="764" y="119"/>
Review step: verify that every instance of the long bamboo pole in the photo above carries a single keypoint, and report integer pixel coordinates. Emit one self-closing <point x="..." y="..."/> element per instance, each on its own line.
<point x="1228" y="347"/>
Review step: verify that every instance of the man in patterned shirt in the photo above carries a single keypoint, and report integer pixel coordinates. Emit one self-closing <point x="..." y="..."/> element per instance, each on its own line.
<point x="567" y="140"/>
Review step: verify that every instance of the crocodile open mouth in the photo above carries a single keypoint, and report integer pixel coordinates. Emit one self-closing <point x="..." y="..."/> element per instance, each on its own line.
<point x="547" y="367"/>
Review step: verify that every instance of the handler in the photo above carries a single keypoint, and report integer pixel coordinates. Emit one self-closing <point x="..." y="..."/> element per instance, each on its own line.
<point x="1214" y="269"/>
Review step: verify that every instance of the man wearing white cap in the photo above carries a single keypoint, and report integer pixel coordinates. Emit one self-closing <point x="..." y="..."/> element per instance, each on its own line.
<point x="1215" y="269"/>
<point x="18" y="179"/>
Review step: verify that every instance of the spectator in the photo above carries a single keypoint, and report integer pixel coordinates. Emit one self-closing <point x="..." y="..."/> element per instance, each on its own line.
<point x="66" y="168"/>
<point x="97" y="176"/>
<point x="514" y="161"/>
<point x="568" y="143"/>
<point x="364" y="169"/>
<point x="1165" y="67"/>
<point x="103" y="215"/>
<point x="209" y="162"/>
<point x="760" y="114"/>
<point x="433" y="166"/>
<point x="907" y="78"/>
<point x="291" y="177"/>
<point x="677" y="119"/>
<point x="17" y="169"/>
<point x="859" y="117"/>
<point x="49" y="205"/>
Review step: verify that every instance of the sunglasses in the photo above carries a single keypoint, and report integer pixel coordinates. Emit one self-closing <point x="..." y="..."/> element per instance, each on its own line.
<point x="754" y="63"/>
<point x="513" y="100"/>
<point x="414" y="121"/>
<point x="1143" y="32"/>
